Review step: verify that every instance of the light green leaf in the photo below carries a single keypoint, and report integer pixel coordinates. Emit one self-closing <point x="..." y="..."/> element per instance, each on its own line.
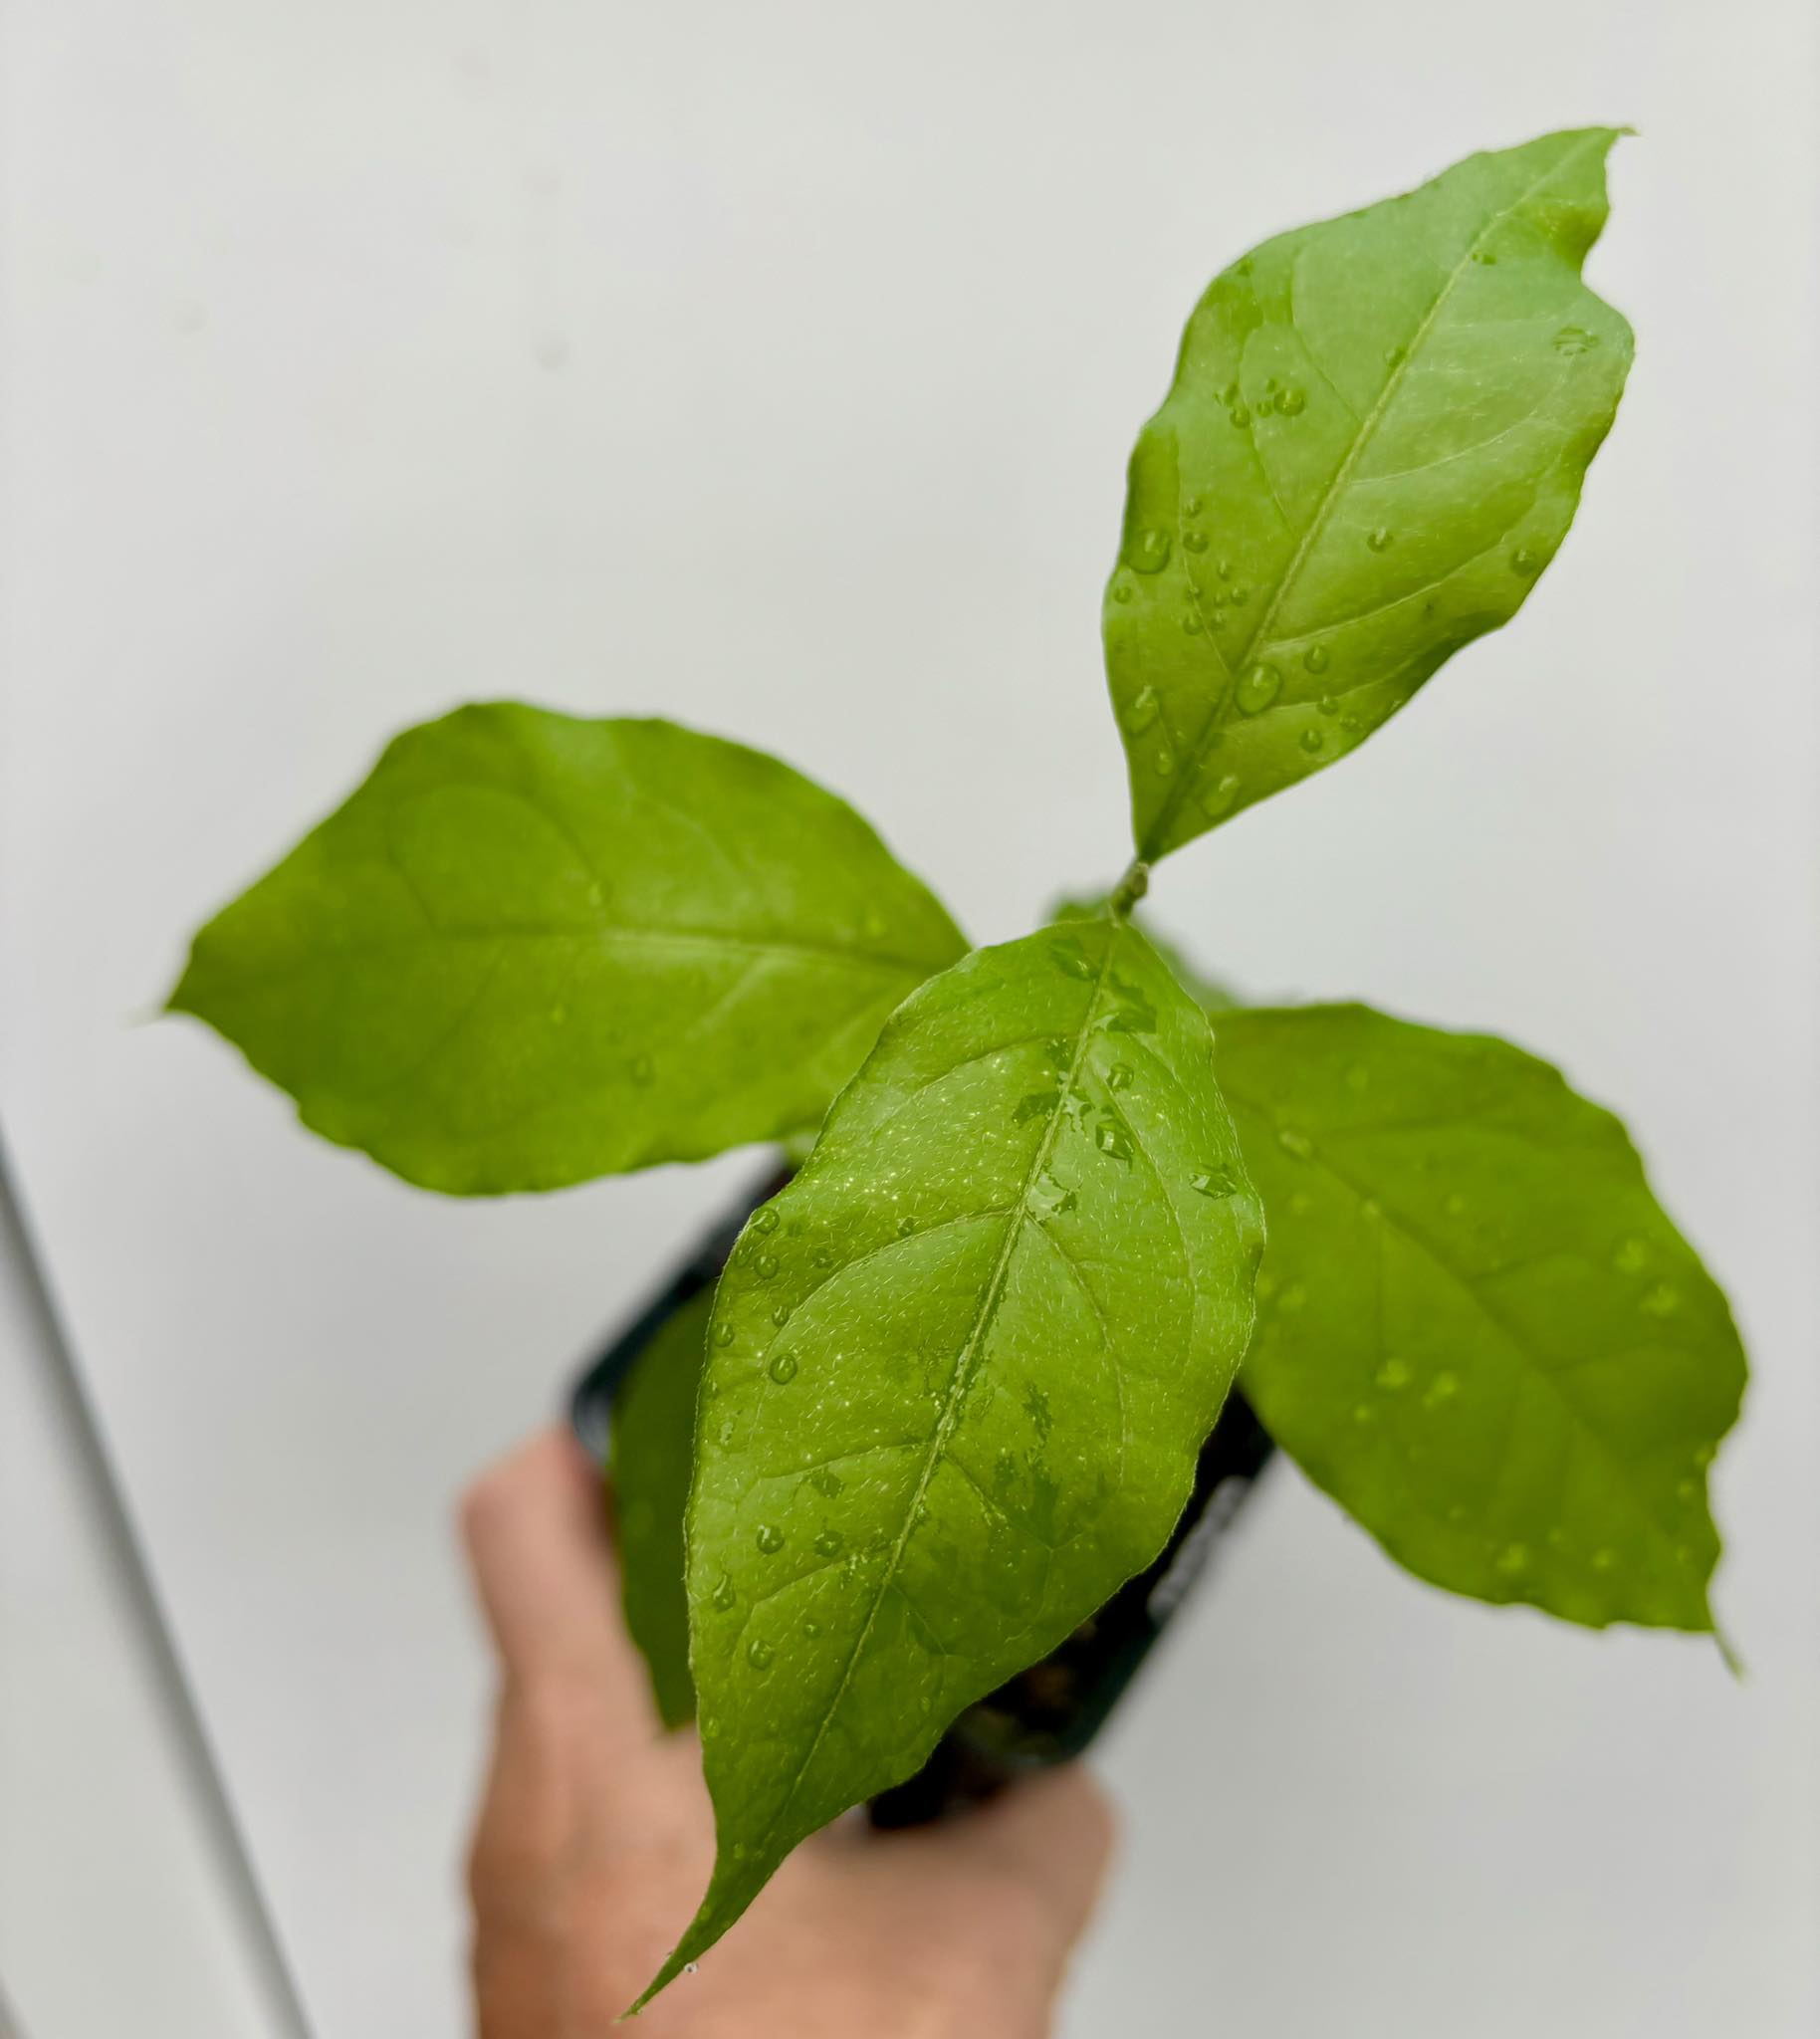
<point x="651" y="1447"/>
<point x="1476" y="1328"/>
<point x="1373" y="445"/>
<point x="958" y="1376"/>
<point x="531" y="949"/>
<point x="1213" y="996"/>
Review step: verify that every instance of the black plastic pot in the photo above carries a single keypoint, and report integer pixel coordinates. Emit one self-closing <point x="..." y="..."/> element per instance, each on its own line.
<point x="1051" y="1712"/>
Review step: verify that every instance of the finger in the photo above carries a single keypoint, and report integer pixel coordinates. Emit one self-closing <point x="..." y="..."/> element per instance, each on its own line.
<point x="1055" y="1833"/>
<point x="536" y="1534"/>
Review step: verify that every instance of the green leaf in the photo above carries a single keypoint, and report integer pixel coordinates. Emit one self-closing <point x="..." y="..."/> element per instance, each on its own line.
<point x="1373" y="445"/>
<point x="1213" y="996"/>
<point x="959" y="1372"/>
<point x="1476" y="1328"/>
<point x="651" y="1447"/>
<point x="531" y="949"/>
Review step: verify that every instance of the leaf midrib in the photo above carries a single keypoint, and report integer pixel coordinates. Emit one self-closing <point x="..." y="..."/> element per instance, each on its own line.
<point x="958" y="1381"/>
<point x="1156" y="839"/>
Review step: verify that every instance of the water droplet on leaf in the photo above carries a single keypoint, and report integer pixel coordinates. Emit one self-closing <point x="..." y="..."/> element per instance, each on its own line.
<point x="1140" y="711"/>
<point x="1257" y="687"/>
<point x="831" y="1543"/>
<point x="1149" y="551"/>
<point x="1378" y="540"/>
<point x="770" y="1539"/>
<point x="1318" y="658"/>
<point x="1293" y="1142"/>
<point x="782" y="1369"/>
<point x="758" y="1654"/>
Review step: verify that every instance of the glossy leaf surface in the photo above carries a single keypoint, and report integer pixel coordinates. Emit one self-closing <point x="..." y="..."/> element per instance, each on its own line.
<point x="1373" y="446"/>
<point x="531" y="949"/>
<point x="1476" y="1328"/>
<point x="958" y="1375"/>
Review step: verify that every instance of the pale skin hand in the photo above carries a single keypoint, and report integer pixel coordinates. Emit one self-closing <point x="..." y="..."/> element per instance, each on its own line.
<point x="595" y="1839"/>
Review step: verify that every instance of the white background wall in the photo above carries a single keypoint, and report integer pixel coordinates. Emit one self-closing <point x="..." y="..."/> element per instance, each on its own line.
<point x="773" y="368"/>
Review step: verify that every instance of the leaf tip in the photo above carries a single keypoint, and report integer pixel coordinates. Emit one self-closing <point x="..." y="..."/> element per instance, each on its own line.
<point x="1729" y="1653"/>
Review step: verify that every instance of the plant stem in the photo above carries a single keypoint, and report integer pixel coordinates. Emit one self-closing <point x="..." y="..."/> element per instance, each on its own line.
<point x="1129" y="889"/>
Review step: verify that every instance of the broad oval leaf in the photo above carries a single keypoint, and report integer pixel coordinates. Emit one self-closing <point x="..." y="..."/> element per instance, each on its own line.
<point x="1373" y="445"/>
<point x="531" y="949"/>
<point x="1476" y="1328"/>
<point x="958" y="1375"/>
<point x="651" y="1457"/>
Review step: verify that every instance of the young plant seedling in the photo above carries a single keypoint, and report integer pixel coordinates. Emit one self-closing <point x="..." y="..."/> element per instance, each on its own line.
<point x="957" y="1372"/>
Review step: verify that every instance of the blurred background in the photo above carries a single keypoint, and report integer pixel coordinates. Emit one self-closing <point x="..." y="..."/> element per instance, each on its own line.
<point x="773" y="368"/>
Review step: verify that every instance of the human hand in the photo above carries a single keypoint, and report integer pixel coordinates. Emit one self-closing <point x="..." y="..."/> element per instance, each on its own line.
<point x="595" y="1838"/>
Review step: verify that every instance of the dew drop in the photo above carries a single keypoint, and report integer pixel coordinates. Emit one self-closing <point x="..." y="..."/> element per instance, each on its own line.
<point x="766" y="1221"/>
<point x="1119" y="1077"/>
<point x="1220" y="797"/>
<point x="1291" y="401"/>
<point x="1212" y="1182"/>
<point x="1072" y="959"/>
<point x="1631" y="1257"/>
<point x="1111" y="1138"/>
<point x="1164" y="763"/>
<point x="758" y="1654"/>
<point x="1318" y="658"/>
<point x="1575" y="340"/>
<point x="1240" y="595"/>
<point x="826" y="1482"/>
<point x="1240" y="416"/>
<point x="1191" y="623"/>
<point x="1662" y="1301"/>
<point x="770" y="1539"/>
<point x="1328" y="704"/>
<point x="831" y="1543"/>
<point x="1443" y="1388"/>
<point x="1149" y="551"/>
<point x="906" y="1227"/>
<point x="1393" y="356"/>
<point x="1122" y="590"/>
<point x="1705" y="1456"/>
<point x="782" y="1369"/>
<point x="823" y="1257"/>
<point x="1513" y="1559"/>
<point x="1140" y="711"/>
<point x="1394" y="1374"/>
<point x="812" y="1628"/>
<point x="725" y="1433"/>
<point x="765" y="1266"/>
<point x="779" y="1314"/>
<point x="723" y="1333"/>
<point x="723" y="1595"/>
<point x="1223" y="568"/>
<point x="1293" y="1142"/>
<point x="1195" y="541"/>
<point x="1190" y="506"/>
<point x="1257" y="687"/>
<point x="1485" y="258"/>
<point x="1525" y="563"/>
<point x="1379" y="539"/>
<point x="1312" y="740"/>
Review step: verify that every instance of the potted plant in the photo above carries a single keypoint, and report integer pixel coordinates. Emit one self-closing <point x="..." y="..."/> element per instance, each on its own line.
<point x="951" y="1391"/>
